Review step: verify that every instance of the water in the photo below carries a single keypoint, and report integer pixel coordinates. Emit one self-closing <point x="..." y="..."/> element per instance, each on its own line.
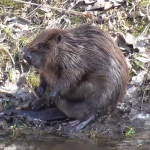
<point x="52" y="142"/>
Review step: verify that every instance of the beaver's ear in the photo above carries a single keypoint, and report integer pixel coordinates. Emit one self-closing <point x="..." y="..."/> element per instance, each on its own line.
<point x="58" y="38"/>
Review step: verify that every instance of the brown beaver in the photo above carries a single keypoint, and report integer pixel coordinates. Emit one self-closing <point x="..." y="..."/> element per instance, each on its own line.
<point x="84" y="68"/>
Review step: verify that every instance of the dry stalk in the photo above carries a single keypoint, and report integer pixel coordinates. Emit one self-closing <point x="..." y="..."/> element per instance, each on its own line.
<point x="6" y="51"/>
<point x="55" y="8"/>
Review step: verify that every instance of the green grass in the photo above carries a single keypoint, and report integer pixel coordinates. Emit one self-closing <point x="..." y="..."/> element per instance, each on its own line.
<point x="6" y="100"/>
<point x="145" y="2"/>
<point x="129" y="131"/>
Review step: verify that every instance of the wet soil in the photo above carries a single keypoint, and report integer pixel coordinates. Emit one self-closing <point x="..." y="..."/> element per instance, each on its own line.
<point x="131" y="113"/>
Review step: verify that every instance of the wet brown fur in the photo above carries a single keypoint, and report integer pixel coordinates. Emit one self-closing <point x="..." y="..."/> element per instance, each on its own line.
<point x="84" y="66"/>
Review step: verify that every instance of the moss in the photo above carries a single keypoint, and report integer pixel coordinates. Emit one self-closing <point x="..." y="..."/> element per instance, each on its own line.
<point x="136" y="64"/>
<point x="33" y="79"/>
<point x="6" y="30"/>
<point x="137" y="26"/>
<point x="7" y="3"/>
<point x="47" y="92"/>
<point x="130" y="74"/>
<point x="144" y="2"/>
<point x="25" y="40"/>
<point x="77" y="19"/>
<point x="92" y="134"/>
<point x="11" y="3"/>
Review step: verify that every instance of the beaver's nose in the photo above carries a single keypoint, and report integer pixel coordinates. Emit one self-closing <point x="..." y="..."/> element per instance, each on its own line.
<point x="27" y="56"/>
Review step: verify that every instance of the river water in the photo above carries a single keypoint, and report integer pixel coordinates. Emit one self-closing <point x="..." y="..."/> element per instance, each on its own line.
<point x="140" y="141"/>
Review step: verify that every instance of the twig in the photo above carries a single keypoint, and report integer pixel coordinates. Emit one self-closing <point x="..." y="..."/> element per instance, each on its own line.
<point x="145" y="30"/>
<point x="33" y="10"/>
<point x="5" y="50"/>
<point x="54" y="8"/>
<point x="32" y="90"/>
<point x="148" y="12"/>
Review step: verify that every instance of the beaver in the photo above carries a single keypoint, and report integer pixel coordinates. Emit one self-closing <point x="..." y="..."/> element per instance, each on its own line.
<point x="84" y="68"/>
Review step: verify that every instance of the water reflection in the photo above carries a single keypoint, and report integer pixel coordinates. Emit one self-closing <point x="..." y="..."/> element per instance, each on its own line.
<point x="52" y="142"/>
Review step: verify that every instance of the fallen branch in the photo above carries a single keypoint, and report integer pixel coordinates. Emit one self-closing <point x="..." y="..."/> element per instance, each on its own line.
<point x="55" y="8"/>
